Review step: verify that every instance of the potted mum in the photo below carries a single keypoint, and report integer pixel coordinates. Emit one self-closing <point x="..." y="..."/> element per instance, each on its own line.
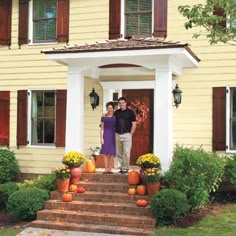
<point x="74" y="160"/>
<point x="62" y="178"/>
<point x="145" y="161"/>
<point x="152" y="179"/>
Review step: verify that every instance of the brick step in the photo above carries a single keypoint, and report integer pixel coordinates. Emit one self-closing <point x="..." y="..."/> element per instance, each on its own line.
<point x="99" y="207"/>
<point x="120" y="220"/>
<point x="100" y="178"/>
<point x="102" y="197"/>
<point x="104" y="187"/>
<point x="91" y="228"/>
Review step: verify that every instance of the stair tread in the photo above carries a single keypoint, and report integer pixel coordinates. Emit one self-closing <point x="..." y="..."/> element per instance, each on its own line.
<point x="104" y="183"/>
<point x="101" y="214"/>
<point x="95" y="228"/>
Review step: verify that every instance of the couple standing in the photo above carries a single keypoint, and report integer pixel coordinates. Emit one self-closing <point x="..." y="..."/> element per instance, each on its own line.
<point x="117" y="129"/>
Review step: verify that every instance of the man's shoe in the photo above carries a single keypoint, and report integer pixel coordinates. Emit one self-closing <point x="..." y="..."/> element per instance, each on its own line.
<point x="121" y="171"/>
<point x="125" y="172"/>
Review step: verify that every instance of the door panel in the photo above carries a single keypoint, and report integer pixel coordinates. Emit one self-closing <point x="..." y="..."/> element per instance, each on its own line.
<point x="143" y="137"/>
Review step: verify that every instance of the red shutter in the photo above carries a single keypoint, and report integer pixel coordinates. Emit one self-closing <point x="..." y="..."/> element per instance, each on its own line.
<point x="63" y="21"/>
<point x="219" y="118"/>
<point x="22" y="107"/>
<point x="4" y="117"/>
<point x="23" y="22"/>
<point x="60" y="117"/>
<point x="221" y="12"/>
<point x="114" y="19"/>
<point x="5" y="22"/>
<point x="160" y="18"/>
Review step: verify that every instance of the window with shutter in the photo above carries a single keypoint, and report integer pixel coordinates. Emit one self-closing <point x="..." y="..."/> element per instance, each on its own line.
<point x="48" y="21"/>
<point x="5" y="22"/>
<point x="139" y="18"/>
<point x="4" y="117"/>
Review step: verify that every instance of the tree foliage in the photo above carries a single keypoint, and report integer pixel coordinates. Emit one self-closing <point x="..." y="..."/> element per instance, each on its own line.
<point x="216" y="17"/>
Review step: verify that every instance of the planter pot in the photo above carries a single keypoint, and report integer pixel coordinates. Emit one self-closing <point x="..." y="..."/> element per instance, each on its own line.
<point x="75" y="172"/>
<point x="63" y="185"/>
<point x="153" y="188"/>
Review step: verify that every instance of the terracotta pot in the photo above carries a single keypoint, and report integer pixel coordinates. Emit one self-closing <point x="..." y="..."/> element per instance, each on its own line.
<point x="153" y="188"/>
<point x="75" y="172"/>
<point x="141" y="175"/>
<point x="63" y="185"/>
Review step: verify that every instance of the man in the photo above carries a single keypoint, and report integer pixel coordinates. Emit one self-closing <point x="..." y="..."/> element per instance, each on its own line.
<point x="125" y="128"/>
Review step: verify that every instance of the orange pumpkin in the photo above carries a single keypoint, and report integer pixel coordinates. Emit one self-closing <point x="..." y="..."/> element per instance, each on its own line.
<point x="73" y="188"/>
<point x="67" y="197"/>
<point x="141" y="203"/>
<point x="90" y="166"/>
<point x="133" y="177"/>
<point x="141" y="189"/>
<point x="131" y="191"/>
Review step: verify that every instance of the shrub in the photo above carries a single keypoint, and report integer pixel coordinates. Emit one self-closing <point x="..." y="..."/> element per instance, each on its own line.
<point x="169" y="206"/>
<point x="24" y="203"/>
<point x="9" y="167"/>
<point x="5" y="191"/>
<point x="47" y="182"/>
<point x="196" y="173"/>
<point x="230" y="171"/>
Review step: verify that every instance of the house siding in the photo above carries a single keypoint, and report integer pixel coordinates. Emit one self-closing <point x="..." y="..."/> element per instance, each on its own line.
<point x="26" y="68"/>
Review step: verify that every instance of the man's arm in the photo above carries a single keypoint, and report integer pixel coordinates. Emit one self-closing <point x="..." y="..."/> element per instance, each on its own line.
<point x="133" y="128"/>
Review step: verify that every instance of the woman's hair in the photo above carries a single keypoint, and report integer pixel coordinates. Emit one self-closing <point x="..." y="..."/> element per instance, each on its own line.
<point x="110" y="104"/>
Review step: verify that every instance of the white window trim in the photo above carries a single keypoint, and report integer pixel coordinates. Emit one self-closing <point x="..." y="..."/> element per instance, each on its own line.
<point x="122" y="19"/>
<point x="29" y="123"/>
<point x="30" y="28"/>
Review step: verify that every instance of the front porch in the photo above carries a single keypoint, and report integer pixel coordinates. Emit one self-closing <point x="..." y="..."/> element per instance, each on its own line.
<point x="125" y="64"/>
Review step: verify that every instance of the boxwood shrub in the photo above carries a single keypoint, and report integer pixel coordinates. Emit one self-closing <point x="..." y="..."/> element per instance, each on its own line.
<point x="24" y="203"/>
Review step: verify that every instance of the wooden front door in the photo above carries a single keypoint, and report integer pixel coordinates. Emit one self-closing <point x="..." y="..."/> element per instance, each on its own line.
<point x="143" y="138"/>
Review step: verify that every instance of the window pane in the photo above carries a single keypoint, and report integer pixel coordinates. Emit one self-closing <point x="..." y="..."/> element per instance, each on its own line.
<point x="145" y="5"/>
<point x="132" y="24"/>
<point x="233" y="119"/>
<point x="43" y="117"/>
<point x="131" y="5"/>
<point x="145" y="24"/>
<point x="44" y="20"/>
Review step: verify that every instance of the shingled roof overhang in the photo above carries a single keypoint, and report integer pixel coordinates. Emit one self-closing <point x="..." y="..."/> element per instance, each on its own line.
<point x="142" y="52"/>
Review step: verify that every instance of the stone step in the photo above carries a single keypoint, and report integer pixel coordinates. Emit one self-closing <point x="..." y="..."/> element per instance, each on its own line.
<point x="101" y="178"/>
<point x="105" y="197"/>
<point x="100" y="207"/>
<point x="121" y="220"/>
<point x="91" y="228"/>
<point x="104" y="186"/>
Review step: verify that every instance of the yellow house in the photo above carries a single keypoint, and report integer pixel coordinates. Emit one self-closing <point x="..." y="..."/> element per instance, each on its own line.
<point x="54" y="53"/>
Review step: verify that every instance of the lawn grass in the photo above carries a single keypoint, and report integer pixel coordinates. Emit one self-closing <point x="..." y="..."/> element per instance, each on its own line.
<point x="222" y="224"/>
<point x="9" y="232"/>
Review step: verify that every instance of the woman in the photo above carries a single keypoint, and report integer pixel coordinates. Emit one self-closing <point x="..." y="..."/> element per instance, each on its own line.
<point x="107" y="136"/>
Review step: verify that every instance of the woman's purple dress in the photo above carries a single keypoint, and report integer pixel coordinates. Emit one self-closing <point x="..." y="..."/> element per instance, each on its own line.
<point x="109" y="145"/>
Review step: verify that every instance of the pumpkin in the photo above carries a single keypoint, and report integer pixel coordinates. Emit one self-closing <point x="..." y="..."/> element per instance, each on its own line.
<point x="73" y="188"/>
<point x="80" y="190"/>
<point x="141" y="203"/>
<point x="90" y="166"/>
<point x="133" y="177"/>
<point x="141" y="189"/>
<point x="67" y="197"/>
<point x="131" y="191"/>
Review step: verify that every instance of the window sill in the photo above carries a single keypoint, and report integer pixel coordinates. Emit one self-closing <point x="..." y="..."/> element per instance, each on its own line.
<point x="40" y="44"/>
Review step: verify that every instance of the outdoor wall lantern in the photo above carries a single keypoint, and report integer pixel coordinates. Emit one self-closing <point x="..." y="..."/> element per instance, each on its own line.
<point x="177" y="95"/>
<point x="94" y="99"/>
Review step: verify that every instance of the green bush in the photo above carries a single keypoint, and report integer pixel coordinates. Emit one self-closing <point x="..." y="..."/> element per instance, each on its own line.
<point x="47" y="182"/>
<point x="5" y="191"/>
<point x="9" y="167"/>
<point x="24" y="203"/>
<point x="196" y="173"/>
<point x="230" y="171"/>
<point x="169" y="206"/>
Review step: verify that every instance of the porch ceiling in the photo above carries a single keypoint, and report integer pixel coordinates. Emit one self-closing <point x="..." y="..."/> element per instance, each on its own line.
<point x="148" y="53"/>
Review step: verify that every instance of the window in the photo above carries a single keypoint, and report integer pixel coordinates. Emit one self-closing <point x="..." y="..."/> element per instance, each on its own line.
<point x="231" y="119"/>
<point x="43" y="117"/>
<point x="138" y="18"/>
<point x="44" y="21"/>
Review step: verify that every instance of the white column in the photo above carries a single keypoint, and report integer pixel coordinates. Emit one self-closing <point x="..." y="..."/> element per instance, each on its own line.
<point x="75" y="110"/>
<point x="163" y="116"/>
